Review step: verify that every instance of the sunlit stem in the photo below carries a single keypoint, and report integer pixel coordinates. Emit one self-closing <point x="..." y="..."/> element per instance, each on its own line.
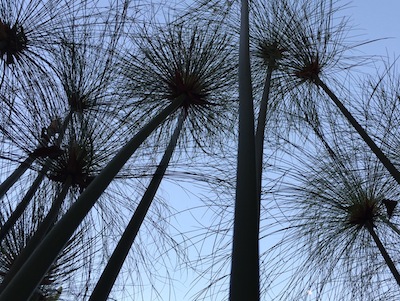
<point x="39" y="234"/>
<point x="114" y="264"/>
<point x="31" y="273"/>
<point x="388" y="260"/>
<point x="360" y="130"/>
<point x="15" y="215"/>
<point x="244" y="277"/>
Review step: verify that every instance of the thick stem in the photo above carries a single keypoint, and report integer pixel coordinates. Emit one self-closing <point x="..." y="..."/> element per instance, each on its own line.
<point x="360" y="130"/>
<point x="244" y="278"/>
<point x="15" y="215"/>
<point x="384" y="253"/>
<point x="114" y="264"/>
<point x="40" y="233"/>
<point x="35" y="268"/>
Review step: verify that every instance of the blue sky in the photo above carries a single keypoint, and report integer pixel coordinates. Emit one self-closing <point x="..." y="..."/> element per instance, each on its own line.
<point x="373" y="20"/>
<point x="378" y="19"/>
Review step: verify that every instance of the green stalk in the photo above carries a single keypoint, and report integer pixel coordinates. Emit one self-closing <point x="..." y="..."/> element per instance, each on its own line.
<point x="32" y="272"/>
<point x="360" y="130"/>
<point x="40" y="233"/>
<point x="114" y="264"/>
<point x="244" y="278"/>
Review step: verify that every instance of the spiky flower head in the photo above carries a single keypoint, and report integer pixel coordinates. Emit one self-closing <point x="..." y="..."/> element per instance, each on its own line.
<point x="272" y="25"/>
<point x="29" y="30"/>
<point x="83" y="77"/>
<point x="85" y="60"/>
<point x="321" y="45"/>
<point x="191" y="64"/>
<point x="310" y="42"/>
<point x="331" y="207"/>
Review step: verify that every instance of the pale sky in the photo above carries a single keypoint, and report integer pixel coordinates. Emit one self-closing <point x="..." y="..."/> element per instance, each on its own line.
<point x="373" y="19"/>
<point x="378" y="19"/>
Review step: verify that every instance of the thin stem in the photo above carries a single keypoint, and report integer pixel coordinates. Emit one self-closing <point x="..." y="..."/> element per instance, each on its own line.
<point x="15" y="215"/>
<point x="321" y="137"/>
<point x="20" y="170"/>
<point x="262" y="115"/>
<point x="384" y="253"/>
<point x="375" y="149"/>
<point x="390" y="224"/>
<point x="31" y="273"/>
<point x="244" y="278"/>
<point x="17" y="173"/>
<point x="114" y="264"/>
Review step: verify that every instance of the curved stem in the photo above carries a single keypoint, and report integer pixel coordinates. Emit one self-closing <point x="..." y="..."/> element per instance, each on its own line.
<point x="31" y="273"/>
<point x="261" y="120"/>
<point x="374" y="148"/>
<point x="114" y="264"/>
<point x="244" y="277"/>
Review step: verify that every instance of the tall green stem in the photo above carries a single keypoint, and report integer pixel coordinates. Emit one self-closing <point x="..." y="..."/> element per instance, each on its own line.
<point x="32" y="272"/>
<point x="360" y="130"/>
<point x="244" y="280"/>
<point x="40" y="233"/>
<point x="114" y="264"/>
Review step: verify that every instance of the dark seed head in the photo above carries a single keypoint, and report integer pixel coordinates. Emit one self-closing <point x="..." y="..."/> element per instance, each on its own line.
<point x="363" y="213"/>
<point x="77" y="102"/>
<point x="271" y="53"/>
<point x="73" y="164"/>
<point x="189" y="86"/>
<point x="13" y="41"/>
<point x="310" y="70"/>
